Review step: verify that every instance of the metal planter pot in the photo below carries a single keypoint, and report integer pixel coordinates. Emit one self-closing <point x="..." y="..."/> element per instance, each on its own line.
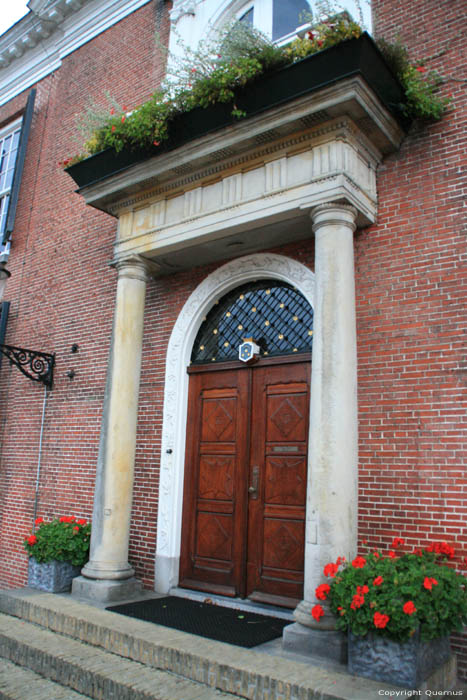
<point x="407" y="664"/>
<point x="53" y="577"/>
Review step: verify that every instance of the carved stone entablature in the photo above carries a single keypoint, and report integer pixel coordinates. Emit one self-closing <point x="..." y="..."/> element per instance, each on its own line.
<point x="249" y="186"/>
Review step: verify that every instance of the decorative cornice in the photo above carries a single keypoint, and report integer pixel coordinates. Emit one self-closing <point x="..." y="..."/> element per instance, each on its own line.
<point x="182" y="8"/>
<point x="52" y="29"/>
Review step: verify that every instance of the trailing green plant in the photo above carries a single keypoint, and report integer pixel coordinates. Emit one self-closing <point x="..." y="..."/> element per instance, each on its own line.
<point x="395" y="595"/>
<point x="63" y="539"/>
<point x="420" y="85"/>
<point x="217" y="70"/>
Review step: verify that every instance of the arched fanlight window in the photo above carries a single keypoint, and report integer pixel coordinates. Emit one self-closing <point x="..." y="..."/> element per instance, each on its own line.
<point x="274" y="314"/>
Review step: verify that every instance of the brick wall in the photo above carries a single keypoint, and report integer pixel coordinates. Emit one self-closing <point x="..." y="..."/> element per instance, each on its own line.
<point x="410" y="292"/>
<point x="62" y="288"/>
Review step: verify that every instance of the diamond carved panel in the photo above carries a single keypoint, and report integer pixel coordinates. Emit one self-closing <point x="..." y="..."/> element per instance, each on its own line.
<point x="214" y="539"/>
<point x="286" y="481"/>
<point x="283" y="544"/>
<point x="216" y="477"/>
<point x="286" y="417"/>
<point x="218" y="420"/>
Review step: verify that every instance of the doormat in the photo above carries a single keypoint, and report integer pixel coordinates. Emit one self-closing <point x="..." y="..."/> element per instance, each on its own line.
<point x="244" y="629"/>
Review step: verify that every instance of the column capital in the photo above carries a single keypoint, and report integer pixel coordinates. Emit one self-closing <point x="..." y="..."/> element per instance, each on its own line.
<point x="334" y="214"/>
<point x="135" y="267"/>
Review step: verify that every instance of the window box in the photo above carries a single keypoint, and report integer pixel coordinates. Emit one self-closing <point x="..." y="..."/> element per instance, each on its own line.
<point x="356" y="57"/>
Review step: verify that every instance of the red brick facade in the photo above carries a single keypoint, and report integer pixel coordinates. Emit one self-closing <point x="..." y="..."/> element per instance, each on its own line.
<point x="410" y="312"/>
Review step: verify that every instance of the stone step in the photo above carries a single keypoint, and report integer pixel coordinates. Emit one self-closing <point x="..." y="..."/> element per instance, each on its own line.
<point x="90" y="671"/>
<point x="18" y="683"/>
<point x="245" y="673"/>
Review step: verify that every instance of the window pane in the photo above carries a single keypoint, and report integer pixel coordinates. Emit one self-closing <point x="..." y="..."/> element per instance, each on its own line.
<point x="3" y="211"/>
<point x="287" y="16"/>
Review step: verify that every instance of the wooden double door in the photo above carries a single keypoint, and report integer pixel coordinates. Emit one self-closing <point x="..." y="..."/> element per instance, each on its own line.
<point x="245" y="487"/>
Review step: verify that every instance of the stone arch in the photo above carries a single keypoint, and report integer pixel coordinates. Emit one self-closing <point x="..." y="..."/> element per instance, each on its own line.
<point x="218" y="283"/>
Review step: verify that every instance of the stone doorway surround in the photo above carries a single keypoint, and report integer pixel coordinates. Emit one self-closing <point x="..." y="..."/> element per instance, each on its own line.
<point x="216" y="285"/>
<point x="242" y="189"/>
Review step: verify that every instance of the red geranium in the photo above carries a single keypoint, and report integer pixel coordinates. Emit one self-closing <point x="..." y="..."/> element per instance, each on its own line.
<point x="32" y="539"/>
<point x="380" y="620"/>
<point x="330" y="570"/>
<point x="441" y="548"/>
<point x="392" y="554"/>
<point x="317" y="612"/>
<point x="429" y="582"/>
<point x="322" y="591"/>
<point x="409" y="608"/>
<point x="378" y="581"/>
<point x="357" y="601"/>
<point x="397" y="542"/>
<point x="359" y="562"/>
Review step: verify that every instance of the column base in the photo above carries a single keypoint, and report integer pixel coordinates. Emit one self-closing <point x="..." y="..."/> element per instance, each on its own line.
<point x="103" y="591"/>
<point x="97" y="570"/>
<point x="329" y="644"/>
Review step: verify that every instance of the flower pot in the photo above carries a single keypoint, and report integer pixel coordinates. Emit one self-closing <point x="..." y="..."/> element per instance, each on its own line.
<point x="400" y="663"/>
<point x="53" y="577"/>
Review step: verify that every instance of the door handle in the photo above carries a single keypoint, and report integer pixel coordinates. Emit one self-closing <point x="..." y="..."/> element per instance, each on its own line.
<point x="253" y="488"/>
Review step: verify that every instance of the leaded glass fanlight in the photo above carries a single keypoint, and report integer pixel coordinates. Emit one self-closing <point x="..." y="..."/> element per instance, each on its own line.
<point x="274" y="314"/>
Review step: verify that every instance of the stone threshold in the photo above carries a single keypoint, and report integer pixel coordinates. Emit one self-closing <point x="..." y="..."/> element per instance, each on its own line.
<point x="236" y="603"/>
<point x="254" y="674"/>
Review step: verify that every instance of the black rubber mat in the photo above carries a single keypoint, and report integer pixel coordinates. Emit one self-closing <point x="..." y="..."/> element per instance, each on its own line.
<point x="237" y="627"/>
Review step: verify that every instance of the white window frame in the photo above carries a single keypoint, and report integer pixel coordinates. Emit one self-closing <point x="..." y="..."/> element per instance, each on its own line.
<point x="5" y="192"/>
<point x="194" y="20"/>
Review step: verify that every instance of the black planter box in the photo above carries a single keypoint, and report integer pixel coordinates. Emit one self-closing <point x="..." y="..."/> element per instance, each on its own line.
<point x="349" y="58"/>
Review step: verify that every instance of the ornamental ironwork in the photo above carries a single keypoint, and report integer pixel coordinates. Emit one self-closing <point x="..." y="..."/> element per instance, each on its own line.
<point x="35" y="365"/>
<point x="274" y="314"/>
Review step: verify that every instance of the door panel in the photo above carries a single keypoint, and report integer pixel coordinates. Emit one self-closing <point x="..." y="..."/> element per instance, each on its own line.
<point x="214" y="517"/>
<point x="276" y="520"/>
<point x="245" y="482"/>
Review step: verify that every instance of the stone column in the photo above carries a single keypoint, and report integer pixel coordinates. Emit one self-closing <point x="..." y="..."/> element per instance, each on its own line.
<point x="108" y="575"/>
<point x="331" y="527"/>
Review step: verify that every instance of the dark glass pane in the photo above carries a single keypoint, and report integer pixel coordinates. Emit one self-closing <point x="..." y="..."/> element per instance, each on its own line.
<point x="287" y="16"/>
<point x="274" y="314"/>
<point x="247" y="18"/>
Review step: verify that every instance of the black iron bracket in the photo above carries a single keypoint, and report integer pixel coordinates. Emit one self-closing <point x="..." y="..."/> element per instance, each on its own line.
<point x="35" y="365"/>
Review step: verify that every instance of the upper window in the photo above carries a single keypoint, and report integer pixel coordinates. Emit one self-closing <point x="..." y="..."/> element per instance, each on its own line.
<point x="9" y="142"/>
<point x="278" y="19"/>
<point x="13" y="142"/>
<point x="287" y="15"/>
